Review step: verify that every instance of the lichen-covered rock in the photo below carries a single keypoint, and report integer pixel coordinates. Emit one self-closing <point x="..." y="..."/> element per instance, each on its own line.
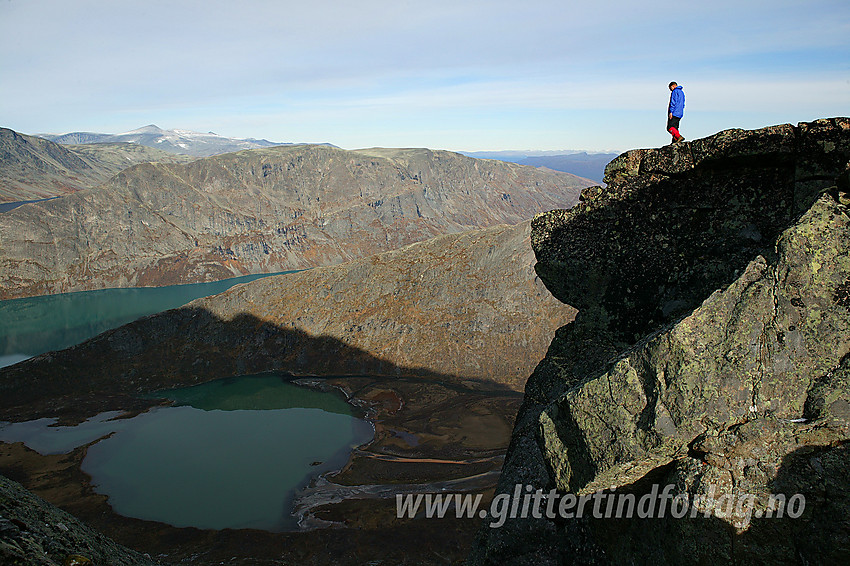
<point x="710" y="353"/>
<point x="652" y="247"/>
<point x="624" y="166"/>
<point x="757" y="347"/>
<point x="771" y="144"/>
<point x="823" y="148"/>
<point x="739" y="479"/>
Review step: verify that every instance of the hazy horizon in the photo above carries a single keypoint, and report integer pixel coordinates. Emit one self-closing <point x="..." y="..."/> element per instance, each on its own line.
<point x="526" y="152"/>
<point x="470" y="76"/>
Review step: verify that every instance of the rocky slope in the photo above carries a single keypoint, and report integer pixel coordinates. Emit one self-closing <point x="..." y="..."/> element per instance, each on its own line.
<point x="32" y="168"/>
<point x="112" y="158"/>
<point x="710" y="353"/>
<point x="261" y="210"/>
<point x="35" y="533"/>
<point x="464" y="307"/>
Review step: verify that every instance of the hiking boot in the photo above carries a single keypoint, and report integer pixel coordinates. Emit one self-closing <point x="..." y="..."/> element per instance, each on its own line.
<point x="679" y="139"/>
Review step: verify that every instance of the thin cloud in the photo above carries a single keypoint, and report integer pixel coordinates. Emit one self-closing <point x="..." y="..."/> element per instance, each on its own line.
<point x="475" y="69"/>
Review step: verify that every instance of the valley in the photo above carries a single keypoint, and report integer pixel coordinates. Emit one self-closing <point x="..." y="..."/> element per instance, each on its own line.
<point x="258" y="211"/>
<point x="430" y="340"/>
<point x="687" y="324"/>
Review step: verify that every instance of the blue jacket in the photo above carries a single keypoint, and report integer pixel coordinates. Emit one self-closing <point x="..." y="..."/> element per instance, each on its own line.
<point x="677" y="102"/>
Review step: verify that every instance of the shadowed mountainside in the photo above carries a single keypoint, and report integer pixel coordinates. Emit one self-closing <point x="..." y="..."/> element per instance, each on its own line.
<point x="462" y="308"/>
<point x="32" y="168"/>
<point x="143" y="356"/>
<point x="710" y="353"/>
<point x="263" y="210"/>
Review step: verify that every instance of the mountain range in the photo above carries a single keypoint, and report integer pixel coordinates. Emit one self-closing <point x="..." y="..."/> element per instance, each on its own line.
<point x="183" y="142"/>
<point x="33" y="168"/>
<point x="199" y="144"/>
<point x="581" y="163"/>
<point x="463" y="308"/>
<point x="262" y="210"/>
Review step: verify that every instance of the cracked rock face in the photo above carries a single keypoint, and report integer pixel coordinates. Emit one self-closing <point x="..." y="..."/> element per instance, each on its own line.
<point x="710" y="352"/>
<point x="755" y="348"/>
<point x="263" y="210"/>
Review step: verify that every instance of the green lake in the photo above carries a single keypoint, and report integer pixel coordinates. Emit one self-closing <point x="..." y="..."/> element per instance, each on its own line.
<point x="35" y="325"/>
<point x="227" y="454"/>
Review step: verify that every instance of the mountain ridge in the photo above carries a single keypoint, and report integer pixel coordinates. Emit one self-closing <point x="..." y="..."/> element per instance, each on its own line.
<point x="186" y="142"/>
<point x="32" y="168"/>
<point x="262" y="210"/>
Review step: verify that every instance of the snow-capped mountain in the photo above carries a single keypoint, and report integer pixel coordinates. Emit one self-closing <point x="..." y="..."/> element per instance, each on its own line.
<point x="184" y="142"/>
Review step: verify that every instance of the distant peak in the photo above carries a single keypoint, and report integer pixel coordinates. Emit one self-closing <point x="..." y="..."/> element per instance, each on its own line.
<point x="149" y="129"/>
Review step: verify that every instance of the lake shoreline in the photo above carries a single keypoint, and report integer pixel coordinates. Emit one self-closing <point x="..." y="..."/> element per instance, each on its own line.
<point x="427" y="435"/>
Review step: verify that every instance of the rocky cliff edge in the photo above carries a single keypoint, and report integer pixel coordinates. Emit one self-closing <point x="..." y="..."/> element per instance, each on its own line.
<point x="710" y="353"/>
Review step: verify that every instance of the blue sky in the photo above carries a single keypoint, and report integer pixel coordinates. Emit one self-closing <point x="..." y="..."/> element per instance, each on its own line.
<point x="459" y="75"/>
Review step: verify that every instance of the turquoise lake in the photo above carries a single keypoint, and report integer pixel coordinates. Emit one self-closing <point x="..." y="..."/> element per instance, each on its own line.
<point x="35" y="325"/>
<point x="228" y="454"/>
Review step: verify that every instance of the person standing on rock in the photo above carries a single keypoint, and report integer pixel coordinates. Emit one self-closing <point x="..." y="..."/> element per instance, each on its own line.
<point x="675" y="111"/>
